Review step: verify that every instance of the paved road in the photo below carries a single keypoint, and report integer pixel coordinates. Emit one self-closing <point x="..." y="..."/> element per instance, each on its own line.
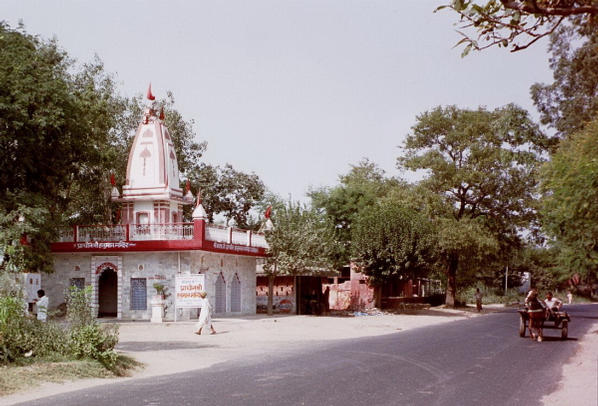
<point x="471" y="362"/>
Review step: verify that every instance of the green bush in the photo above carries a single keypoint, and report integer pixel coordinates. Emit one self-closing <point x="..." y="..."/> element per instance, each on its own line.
<point x="13" y="334"/>
<point x="94" y="342"/>
<point x="87" y="338"/>
<point x="22" y="337"/>
<point x="78" y="305"/>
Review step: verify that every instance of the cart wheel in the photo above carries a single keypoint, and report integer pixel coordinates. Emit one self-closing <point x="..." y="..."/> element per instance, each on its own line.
<point x="565" y="330"/>
<point x="521" y="327"/>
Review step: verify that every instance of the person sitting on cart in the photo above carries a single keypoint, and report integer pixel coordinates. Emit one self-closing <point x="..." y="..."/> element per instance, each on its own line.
<point x="552" y="304"/>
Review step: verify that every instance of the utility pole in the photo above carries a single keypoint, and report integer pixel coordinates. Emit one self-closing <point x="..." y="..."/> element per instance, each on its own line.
<point x="506" y="279"/>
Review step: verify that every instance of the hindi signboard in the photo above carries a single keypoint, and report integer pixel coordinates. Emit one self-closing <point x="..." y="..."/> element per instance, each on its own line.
<point x="187" y="288"/>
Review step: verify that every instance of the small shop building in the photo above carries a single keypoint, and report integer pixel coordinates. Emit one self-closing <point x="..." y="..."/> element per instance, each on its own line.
<point x="347" y="290"/>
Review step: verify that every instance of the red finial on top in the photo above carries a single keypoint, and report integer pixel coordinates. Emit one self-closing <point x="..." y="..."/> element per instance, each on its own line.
<point x="112" y="179"/>
<point x="187" y="186"/>
<point x="150" y="96"/>
<point x="199" y="199"/>
<point x="268" y="212"/>
<point x="161" y="113"/>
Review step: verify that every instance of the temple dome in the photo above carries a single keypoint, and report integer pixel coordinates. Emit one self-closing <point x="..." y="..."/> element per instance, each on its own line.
<point x="152" y="169"/>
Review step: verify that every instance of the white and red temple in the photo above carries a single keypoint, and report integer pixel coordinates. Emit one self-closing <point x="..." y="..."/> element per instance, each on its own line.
<point x="151" y="244"/>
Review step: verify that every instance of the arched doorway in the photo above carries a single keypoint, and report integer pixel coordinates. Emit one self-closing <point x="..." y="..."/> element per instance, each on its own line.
<point x="220" y="299"/>
<point x="235" y="295"/>
<point x="107" y="293"/>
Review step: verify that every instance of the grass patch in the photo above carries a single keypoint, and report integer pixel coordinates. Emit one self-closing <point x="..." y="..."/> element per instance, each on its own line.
<point x="581" y="299"/>
<point x="14" y="378"/>
<point x="490" y="296"/>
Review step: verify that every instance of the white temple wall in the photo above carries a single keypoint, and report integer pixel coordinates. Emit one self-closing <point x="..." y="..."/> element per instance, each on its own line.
<point x="213" y="264"/>
<point x="151" y="268"/>
<point x="67" y="267"/>
<point x="146" y="207"/>
<point x="156" y="268"/>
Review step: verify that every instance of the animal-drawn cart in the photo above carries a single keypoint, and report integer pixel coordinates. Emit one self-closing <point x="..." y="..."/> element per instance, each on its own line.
<point x="557" y="319"/>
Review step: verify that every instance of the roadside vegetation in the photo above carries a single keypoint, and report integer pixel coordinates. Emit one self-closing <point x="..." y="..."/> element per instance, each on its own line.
<point x="56" y="350"/>
<point x="491" y="296"/>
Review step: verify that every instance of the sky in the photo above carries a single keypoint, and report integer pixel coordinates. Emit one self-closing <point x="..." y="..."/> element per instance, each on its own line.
<point x="294" y="91"/>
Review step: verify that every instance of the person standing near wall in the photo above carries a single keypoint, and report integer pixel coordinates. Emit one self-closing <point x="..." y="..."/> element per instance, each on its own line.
<point x="42" y="305"/>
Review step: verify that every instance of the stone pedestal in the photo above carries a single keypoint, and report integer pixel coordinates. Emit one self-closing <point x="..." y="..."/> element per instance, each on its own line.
<point x="157" y="303"/>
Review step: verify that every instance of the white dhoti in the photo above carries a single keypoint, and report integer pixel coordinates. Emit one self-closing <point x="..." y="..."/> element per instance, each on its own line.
<point x="205" y="316"/>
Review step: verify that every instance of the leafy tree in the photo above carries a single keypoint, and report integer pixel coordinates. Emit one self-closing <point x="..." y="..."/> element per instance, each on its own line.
<point x="228" y="191"/>
<point x="24" y="244"/>
<point x="483" y="164"/>
<point x="55" y="120"/>
<point x="390" y="241"/>
<point x="516" y="23"/>
<point x="301" y="243"/>
<point x="541" y="263"/>
<point x="571" y="101"/>
<point x="359" y="189"/>
<point x="570" y="204"/>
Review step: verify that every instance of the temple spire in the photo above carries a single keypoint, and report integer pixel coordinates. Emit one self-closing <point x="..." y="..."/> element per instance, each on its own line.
<point x="150" y="96"/>
<point x="199" y="213"/>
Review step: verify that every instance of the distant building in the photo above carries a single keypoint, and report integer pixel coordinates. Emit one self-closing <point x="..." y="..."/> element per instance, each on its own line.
<point x="151" y="244"/>
<point x="349" y="290"/>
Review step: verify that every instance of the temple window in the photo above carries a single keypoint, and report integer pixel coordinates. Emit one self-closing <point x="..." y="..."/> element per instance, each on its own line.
<point x="138" y="294"/>
<point x="142" y="218"/>
<point x="78" y="283"/>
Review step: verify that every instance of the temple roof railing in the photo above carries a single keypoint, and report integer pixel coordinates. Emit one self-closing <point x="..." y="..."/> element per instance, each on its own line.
<point x="172" y="236"/>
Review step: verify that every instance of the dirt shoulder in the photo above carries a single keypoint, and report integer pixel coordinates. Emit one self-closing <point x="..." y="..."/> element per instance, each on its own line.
<point x="579" y="382"/>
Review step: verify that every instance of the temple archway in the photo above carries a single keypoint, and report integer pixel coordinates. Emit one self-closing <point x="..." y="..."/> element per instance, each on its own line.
<point x="107" y="293"/>
<point x="220" y="299"/>
<point x="235" y="295"/>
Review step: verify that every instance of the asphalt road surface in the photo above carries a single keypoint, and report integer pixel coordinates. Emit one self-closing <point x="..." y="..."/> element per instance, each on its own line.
<point x="478" y="361"/>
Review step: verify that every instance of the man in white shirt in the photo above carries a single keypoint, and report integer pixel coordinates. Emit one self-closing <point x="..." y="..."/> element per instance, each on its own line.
<point x="42" y="305"/>
<point x="552" y="302"/>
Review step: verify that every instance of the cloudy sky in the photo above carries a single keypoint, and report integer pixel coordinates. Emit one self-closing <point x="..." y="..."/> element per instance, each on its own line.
<point x="295" y="91"/>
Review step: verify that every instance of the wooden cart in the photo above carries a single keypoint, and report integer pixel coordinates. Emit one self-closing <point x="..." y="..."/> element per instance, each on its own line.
<point x="558" y="319"/>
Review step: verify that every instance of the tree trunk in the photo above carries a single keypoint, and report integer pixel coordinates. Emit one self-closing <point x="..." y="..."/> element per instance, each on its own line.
<point x="451" y="282"/>
<point x="270" y="294"/>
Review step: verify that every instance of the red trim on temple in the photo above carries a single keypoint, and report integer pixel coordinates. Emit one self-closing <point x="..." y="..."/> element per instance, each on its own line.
<point x="106" y="265"/>
<point x="162" y="245"/>
<point x="198" y="242"/>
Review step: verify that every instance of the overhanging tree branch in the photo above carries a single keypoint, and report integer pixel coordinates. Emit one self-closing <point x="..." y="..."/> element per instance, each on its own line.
<point x="569" y="7"/>
<point x="517" y="24"/>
